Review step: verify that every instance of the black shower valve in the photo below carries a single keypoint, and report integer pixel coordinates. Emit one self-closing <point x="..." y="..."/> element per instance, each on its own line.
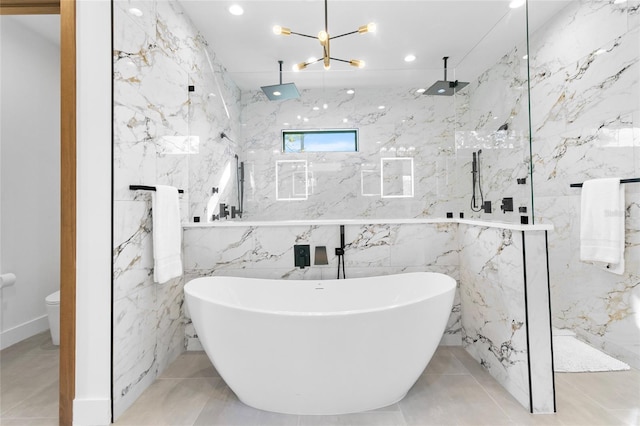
<point x="507" y="205"/>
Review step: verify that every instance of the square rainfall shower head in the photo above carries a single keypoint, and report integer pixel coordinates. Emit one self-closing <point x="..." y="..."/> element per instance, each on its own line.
<point x="279" y="92"/>
<point x="445" y="88"/>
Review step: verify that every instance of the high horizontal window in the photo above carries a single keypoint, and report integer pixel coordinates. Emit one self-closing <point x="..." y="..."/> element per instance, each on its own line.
<point x="339" y="140"/>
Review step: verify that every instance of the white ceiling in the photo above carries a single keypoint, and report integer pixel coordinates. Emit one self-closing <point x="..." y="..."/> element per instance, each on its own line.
<point x="473" y="33"/>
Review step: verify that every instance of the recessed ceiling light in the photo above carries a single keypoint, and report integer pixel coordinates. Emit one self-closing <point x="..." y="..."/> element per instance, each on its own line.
<point x="421" y="90"/>
<point x="305" y="119"/>
<point x="517" y="3"/>
<point x="381" y="107"/>
<point x="236" y="9"/>
<point x="135" y="11"/>
<point x="325" y="106"/>
<point x="619" y="1"/>
<point x="285" y="124"/>
<point x="345" y="120"/>
<point x="410" y="58"/>
<point x="316" y="108"/>
<point x="351" y="92"/>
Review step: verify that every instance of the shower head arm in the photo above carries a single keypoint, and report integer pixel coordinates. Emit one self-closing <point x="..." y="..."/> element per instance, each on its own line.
<point x="445" y="67"/>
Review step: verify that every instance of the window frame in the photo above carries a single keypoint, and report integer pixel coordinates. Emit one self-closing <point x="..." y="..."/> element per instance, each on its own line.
<point x="354" y="131"/>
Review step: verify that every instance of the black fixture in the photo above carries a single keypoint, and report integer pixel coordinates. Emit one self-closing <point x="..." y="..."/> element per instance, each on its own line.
<point x="196" y="219"/>
<point x="214" y="190"/>
<point x="240" y="185"/>
<point x="476" y="182"/>
<point x="235" y="212"/>
<point x="281" y="91"/>
<point x="522" y="209"/>
<point x="340" y="253"/>
<point x="449" y="215"/>
<point x="486" y="206"/>
<point x="148" y="188"/>
<point x="192" y="88"/>
<point x="444" y="87"/>
<point x="503" y="128"/>
<point x="524" y="220"/>
<point x="461" y="214"/>
<point x="507" y="205"/>
<point x="224" y="211"/>
<point x="632" y="180"/>
<point x="302" y="255"/>
<point x="522" y="181"/>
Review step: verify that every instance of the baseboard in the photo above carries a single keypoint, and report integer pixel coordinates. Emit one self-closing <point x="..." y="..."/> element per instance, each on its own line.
<point x="23" y="331"/>
<point x="91" y="412"/>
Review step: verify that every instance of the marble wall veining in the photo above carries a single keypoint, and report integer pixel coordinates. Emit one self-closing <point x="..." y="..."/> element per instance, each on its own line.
<point x="506" y="323"/>
<point x="585" y="96"/>
<point x="371" y="250"/>
<point x="163" y="134"/>
<point x="392" y="123"/>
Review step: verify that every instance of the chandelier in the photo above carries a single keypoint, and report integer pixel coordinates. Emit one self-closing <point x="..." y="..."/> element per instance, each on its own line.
<point x="324" y="38"/>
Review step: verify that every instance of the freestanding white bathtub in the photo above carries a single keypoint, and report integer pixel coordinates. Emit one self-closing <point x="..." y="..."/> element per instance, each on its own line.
<point x="321" y="347"/>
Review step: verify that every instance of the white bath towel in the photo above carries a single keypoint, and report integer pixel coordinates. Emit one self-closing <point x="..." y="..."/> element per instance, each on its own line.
<point x="167" y="234"/>
<point x="602" y="224"/>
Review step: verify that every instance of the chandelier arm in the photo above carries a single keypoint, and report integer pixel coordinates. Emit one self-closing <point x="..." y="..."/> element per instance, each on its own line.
<point x="304" y="35"/>
<point x="345" y="34"/>
<point x="338" y="59"/>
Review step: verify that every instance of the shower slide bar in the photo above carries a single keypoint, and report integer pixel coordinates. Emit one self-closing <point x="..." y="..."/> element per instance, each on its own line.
<point x="148" y="188"/>
<point x="632" y="180"/>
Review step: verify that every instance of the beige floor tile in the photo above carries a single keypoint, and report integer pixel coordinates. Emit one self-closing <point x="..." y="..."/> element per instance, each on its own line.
<point x="574" y="407"/>
<point x="614" y="390"/>
<point x="450" y="400"/>
<point x="170" y="402"/>
<point x="26" y="377"/>
<point x="27" y="421"/>
<point x="445" y="362"/>
<point x="42" y="403"/>
<point x="370" y="418"/>
<point x="190" y="365"/>
<point x="224" y="408"/>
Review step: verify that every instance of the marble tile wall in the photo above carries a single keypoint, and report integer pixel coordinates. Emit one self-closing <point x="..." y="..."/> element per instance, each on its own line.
<point x="497" y="97"/>
<point x="585" y="98"/>
<point x="371" y="250"/>
<point x="347" y="185"/>
<point x="505" y="317"/>
<point x="163" y="134"/>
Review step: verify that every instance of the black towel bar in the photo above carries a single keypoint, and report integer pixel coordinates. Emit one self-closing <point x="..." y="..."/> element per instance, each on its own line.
<point x="148" y="188"/>
<point x="632" y="180"/>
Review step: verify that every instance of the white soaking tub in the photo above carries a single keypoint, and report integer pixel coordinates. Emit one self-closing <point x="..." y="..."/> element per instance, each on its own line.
<point x="321" y="347"/>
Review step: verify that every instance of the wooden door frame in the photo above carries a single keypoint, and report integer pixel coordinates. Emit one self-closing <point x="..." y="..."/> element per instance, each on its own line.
<point x="67" y="11"/>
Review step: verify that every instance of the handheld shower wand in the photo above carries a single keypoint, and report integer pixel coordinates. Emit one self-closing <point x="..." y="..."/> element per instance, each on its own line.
<point x="476" y="182"/>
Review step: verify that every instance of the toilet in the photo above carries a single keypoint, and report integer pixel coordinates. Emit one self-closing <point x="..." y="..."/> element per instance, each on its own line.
<point x="53" y="312"/>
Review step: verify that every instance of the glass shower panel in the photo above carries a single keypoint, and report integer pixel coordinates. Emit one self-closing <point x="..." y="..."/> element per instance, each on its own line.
<point x="213" y="169"/>
<point x="492" y="124"/>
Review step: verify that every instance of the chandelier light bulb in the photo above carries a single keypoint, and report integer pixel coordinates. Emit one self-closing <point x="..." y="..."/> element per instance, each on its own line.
<point x="278" y="30"/>
<point x="323" y="37"/>
<point x="300" y="66"/>
<point x="369" y="28"/>
<point x="357" y="63"/>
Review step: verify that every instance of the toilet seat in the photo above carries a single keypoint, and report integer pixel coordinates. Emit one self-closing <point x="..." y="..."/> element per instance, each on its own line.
<point x="53" y="298"/>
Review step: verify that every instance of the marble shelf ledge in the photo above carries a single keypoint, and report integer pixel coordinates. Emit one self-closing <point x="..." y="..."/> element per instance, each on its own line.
<point x="332" y="222"/>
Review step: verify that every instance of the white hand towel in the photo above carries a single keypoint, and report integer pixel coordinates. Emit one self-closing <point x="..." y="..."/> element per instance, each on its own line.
<point x="167" y="234"/>
<point x="602" y="215"/>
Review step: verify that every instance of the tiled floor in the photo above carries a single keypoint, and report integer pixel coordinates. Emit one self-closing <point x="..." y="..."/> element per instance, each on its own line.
<point x="29" y="382"/>
<point x="453" y="390"/>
